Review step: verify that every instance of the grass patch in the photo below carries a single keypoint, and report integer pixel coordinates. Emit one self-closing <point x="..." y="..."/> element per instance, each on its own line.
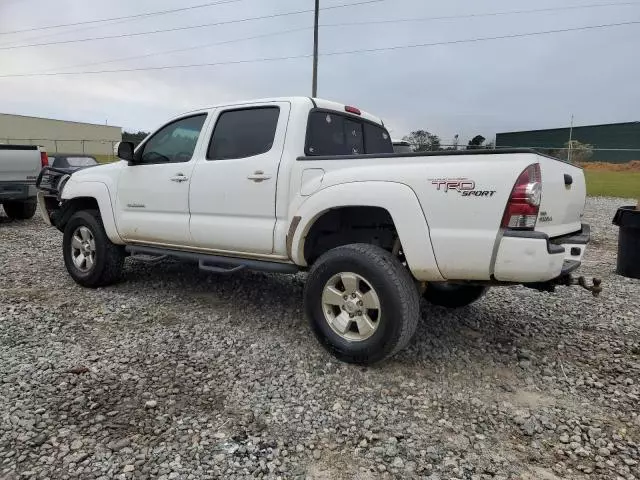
<point x="106" y="158"/>
<point x="612" y="184"/>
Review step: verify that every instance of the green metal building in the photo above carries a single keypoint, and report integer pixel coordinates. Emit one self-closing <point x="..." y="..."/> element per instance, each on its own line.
<point x="613" y="142"/>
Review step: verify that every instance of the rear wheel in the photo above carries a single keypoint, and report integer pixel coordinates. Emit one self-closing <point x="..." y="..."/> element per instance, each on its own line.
<point x="90" y="257"/>
<point x="453" y="296"/>
<point x="20" y="210"/>
<point x="361" y="303"/>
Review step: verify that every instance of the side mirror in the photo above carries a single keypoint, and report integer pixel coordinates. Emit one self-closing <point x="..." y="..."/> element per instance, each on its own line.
<point x="125" y="151"/>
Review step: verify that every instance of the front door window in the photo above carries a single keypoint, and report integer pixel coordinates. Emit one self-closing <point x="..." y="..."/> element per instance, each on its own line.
<point x="173" y="143"/>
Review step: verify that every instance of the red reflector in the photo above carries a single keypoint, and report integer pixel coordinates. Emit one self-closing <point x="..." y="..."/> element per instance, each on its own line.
<point x="44" y="160"/>
<point x="522" y="209"/>
<point x="354" y="110"/>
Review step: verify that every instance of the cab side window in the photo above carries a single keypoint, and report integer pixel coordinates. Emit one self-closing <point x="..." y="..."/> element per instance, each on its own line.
<point x="174" y="143"/>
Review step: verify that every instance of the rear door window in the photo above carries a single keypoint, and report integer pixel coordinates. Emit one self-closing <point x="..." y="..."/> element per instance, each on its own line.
<point x="243" y="133"/>
<point x="330" y="133"/>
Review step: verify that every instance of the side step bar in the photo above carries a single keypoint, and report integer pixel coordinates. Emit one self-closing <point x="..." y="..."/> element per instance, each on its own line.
<point x="213" y="263"/>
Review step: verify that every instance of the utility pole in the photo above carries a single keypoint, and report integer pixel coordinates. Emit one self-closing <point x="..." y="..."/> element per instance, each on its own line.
<point x="314" y="88"/>
<point x="570" y="140"/>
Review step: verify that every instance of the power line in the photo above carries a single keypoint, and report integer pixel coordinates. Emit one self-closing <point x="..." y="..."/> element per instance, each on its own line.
<point x="367" y="22"/>
<point x="484" y="39"/>
<point x="342" y="24"/>
<point x="363" y="23"/>
<point x="329" y="54"/>
<point x="124" y="17"/>
<point x="16" y="42"/>
<point x="194" y="47"/>
<point x="190" y="27"/>
<point x="475" y="15"/>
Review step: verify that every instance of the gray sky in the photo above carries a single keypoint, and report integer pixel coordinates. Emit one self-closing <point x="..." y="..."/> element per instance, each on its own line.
<point x="468" y="88"/>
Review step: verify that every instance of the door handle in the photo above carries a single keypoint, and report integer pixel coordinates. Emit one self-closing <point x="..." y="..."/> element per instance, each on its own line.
<point x="259" y="176"/>
<point x="179" y="177"/>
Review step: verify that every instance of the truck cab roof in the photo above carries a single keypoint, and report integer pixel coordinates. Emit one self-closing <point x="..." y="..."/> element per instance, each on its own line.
<point x="311" y="102"/>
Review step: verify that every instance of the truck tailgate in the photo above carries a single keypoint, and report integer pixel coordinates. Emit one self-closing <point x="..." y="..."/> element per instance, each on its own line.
<point x="563" y="198"/>
<point x="19" y="163"/>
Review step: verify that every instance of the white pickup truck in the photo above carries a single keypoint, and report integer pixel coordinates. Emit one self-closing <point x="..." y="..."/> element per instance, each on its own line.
<point x="19" y="168"/>
<point x="292" y="184"/>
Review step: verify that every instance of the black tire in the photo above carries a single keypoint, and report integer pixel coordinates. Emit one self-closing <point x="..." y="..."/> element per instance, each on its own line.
<point x="20" y="210"/>
<point x="398" y="298"/>
<point x="109" y="258"/>
<point x="453" y="296"/>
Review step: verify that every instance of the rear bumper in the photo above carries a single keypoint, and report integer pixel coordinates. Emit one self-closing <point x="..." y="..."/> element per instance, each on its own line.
<point x="17" y="191"/>
<point x="527" y="257"/>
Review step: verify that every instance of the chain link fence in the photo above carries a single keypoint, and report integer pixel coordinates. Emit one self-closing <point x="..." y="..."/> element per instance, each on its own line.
<point x="578" y="154"/>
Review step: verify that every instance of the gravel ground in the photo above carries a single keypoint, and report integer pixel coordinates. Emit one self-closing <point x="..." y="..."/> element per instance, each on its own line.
<point x="180" y="374"/>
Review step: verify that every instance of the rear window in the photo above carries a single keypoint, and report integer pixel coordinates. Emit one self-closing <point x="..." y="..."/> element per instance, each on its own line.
<point x="329" y="133"/>
<point x="81" y="161"/>
<point x="377" y="139"/>
<point x="354" y="137"/>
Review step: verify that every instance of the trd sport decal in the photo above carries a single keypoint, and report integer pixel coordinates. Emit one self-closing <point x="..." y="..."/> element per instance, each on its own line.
<point x="464" y="186"/>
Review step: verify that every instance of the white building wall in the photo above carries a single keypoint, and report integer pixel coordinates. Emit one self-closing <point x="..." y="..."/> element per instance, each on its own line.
<point x="59" y="135"/>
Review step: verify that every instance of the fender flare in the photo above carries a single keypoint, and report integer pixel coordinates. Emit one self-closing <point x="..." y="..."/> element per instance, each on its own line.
<point x="398" y="199"/>
<point x="100" y="192"/>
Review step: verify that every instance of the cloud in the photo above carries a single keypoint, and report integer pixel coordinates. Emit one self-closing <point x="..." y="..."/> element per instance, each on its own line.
<point x="466" y="89"/>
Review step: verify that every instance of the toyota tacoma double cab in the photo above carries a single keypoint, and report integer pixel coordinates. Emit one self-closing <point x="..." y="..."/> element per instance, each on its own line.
<point x="303" y="184"/>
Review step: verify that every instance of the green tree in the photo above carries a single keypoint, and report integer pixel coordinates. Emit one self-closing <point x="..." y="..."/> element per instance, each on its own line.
<point x="580" y="152"/>
<point x="476" y="142"/>
<point x="423" y="141"/>
<point x="136" y="137"/>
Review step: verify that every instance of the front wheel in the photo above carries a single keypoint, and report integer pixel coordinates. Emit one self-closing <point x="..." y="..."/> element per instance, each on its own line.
<point x="20" y="210"/>
<point x="90" y="257"/>
<point x="361" y="303"/>
<point x="453" y="296"/>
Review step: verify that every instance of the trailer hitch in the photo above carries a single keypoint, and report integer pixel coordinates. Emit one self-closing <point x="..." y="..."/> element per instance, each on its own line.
<point x="567" y="281"/>
<point x="595" y="288"/>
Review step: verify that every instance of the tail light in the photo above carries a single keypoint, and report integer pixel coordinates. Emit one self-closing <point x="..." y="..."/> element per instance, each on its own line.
<point x="524" y="203"/>
<point x="44" y="160"/>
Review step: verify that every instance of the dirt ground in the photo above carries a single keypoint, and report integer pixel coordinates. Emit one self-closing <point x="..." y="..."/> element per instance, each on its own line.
<point x="178" y="374"/>
<point x="633" y="166"/>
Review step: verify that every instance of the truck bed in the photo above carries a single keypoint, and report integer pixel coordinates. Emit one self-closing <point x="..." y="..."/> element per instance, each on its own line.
<point x="463" y="195"/>
<point x="19" y="168"/>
